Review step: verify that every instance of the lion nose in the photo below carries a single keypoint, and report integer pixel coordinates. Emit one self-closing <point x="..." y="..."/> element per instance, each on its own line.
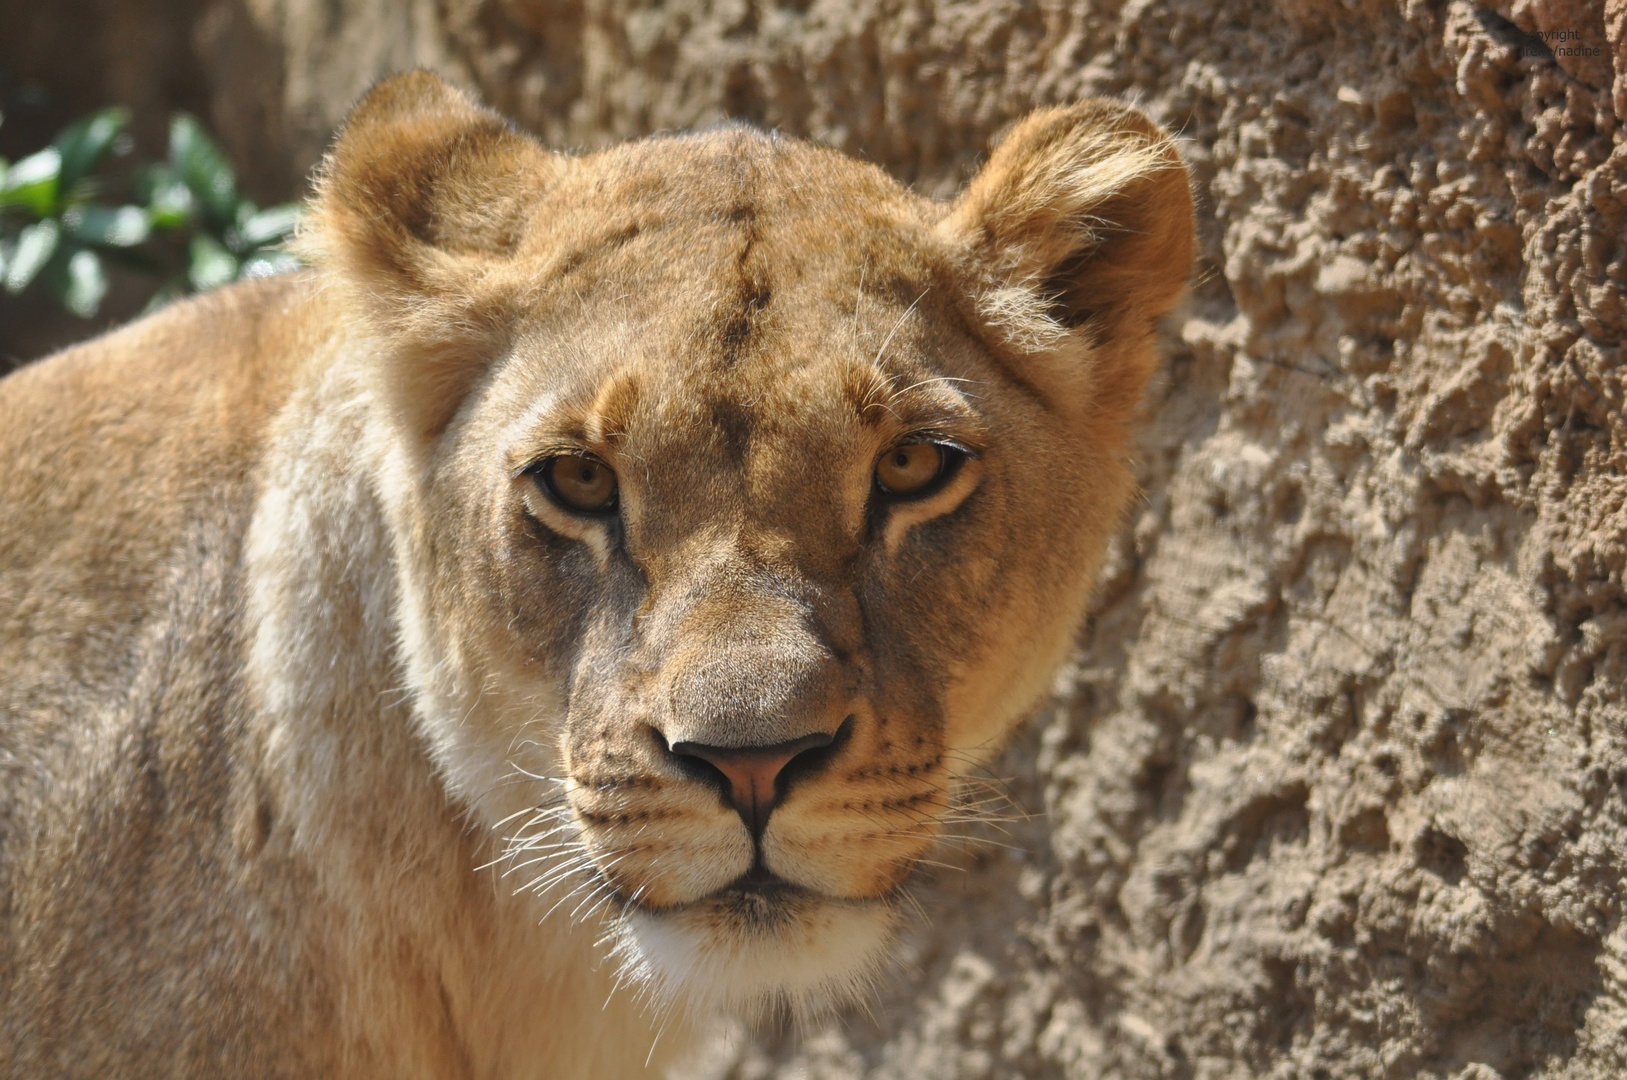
<point x="754" y="772"/>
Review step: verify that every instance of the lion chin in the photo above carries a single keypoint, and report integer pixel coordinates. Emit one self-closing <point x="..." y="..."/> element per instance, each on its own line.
<point x="756" y="949"/>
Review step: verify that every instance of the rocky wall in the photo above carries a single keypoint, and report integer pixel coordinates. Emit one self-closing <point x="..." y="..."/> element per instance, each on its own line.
<point x="1336" y="785"/>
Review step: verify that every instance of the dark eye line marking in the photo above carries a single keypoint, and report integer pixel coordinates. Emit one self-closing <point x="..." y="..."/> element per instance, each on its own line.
<point x="542" y="457"/>
<point x="948" y="442"/>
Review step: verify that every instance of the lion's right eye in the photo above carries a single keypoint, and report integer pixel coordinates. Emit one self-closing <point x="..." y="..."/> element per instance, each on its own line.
<point x="917" y="470"/>
<point x="578" y="483"/>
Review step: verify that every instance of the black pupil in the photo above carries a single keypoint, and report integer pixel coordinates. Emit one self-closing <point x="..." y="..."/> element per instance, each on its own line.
<point x="589" y="471"/>
<point x="902" y="460"/>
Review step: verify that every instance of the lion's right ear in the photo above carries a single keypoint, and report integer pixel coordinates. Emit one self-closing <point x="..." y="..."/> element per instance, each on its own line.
<point x="421" y="206"/>
<point x="1080" y="228"/>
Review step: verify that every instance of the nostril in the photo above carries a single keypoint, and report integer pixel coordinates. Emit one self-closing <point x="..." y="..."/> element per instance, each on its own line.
<point x="814" y="758"/>
<point x="690" y="764"/>
<point x="756" y="777"/>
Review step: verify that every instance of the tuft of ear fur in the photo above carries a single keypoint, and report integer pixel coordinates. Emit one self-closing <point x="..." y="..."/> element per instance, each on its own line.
<point x="1081" y="220"/>
<point x="420" y="207"/>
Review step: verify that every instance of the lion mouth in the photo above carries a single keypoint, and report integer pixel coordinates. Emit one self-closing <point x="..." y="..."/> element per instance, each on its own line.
<point x="758" y="898"/>
<point x="761" y="898"/>
<point x="762" y="882"/>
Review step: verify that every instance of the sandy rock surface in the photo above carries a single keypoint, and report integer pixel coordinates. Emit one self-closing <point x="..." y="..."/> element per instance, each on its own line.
<point x="1337" y="783"/>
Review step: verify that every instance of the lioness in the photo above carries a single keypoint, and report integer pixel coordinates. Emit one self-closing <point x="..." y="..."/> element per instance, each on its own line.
<point x="565" y="611"/>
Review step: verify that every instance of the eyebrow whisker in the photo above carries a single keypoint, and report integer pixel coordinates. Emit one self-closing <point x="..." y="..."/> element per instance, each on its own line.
<point x="907" y="313"/>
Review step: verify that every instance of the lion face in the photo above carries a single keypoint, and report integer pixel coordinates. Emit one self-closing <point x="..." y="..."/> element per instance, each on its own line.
<point x="761" y="645"/>
<point x="744" y="500"/>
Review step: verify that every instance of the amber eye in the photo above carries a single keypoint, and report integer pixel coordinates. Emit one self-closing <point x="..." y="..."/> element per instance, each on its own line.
<point x="911" y="469"/>
<point x="579" y="483"/>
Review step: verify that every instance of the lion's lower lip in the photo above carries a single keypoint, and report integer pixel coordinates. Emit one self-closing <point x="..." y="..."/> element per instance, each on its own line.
<point x="762" y="900"/>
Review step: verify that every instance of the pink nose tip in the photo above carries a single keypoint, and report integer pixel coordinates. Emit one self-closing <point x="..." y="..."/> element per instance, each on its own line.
<point x="752" y="771"/>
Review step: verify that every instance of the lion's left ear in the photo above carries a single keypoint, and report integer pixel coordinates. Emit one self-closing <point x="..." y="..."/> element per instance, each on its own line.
<point x="421" y="206"/>
<point x="1080" y="221"/>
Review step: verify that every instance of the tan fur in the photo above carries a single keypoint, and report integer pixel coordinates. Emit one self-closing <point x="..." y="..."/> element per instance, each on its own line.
<point x="331" y="745"/>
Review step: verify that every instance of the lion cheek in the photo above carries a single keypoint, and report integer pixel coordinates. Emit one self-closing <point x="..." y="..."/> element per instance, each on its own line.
<point x="835" y="862"/>
<point x="681" y="864"/>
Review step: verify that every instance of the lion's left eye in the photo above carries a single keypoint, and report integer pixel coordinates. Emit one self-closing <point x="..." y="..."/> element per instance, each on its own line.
<point x="576" y="482"/>
<point x="913" y="470"/>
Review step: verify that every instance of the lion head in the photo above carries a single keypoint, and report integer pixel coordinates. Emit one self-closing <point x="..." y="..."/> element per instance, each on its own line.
<point x="742" y="500"/>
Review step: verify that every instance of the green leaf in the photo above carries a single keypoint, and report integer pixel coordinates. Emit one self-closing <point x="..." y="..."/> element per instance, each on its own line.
<point x="125" y="226"/>
<point x="208" y="263"/>
<point x="268" y="264"/>
<point x="203" y="167"/>
<point x="85" y="283"/>
<point x="167" y="294"/>
<point x="169" y="201"/>
<point x="270" y="225"/>
<point x="84" y="143"/>
<point x="35" y="246"/>
<point x="34" y="182"/>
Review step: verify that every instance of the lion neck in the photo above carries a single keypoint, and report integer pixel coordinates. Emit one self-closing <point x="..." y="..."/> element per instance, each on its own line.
<point x="448" y="972"/>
